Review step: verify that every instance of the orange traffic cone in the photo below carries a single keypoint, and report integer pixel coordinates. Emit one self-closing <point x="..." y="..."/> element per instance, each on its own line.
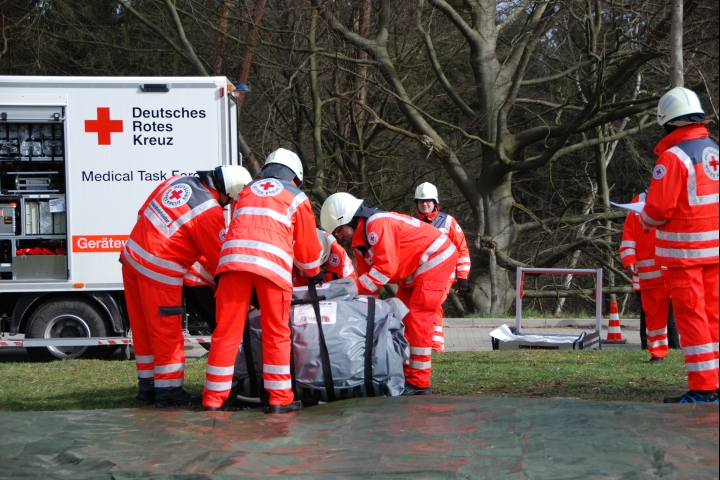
<point x="614" y="333"/>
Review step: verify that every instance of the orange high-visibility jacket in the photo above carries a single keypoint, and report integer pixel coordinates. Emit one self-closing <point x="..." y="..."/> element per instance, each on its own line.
<point x="272" y="223"/>
<point x="399" y="249"/>
<point x="638" y="248"/>
<point x="180" y="221"/>
<point x="338" y="265"/>
<point x="450" y="227"/>
<point x="682" y="202"/>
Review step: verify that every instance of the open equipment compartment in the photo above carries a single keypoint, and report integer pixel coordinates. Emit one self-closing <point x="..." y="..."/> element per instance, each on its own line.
<point x="33" y="231"/>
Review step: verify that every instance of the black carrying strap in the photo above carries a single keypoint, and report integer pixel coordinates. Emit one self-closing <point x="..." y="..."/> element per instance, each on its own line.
<point x="249" y="361"/>
<point x="308" y="301"/>
<point x="324" y="355"/>
<point x="369" y="336"/>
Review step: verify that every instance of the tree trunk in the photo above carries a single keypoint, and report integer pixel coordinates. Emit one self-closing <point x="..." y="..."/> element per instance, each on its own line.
<point x="244" y="67"/>
<point x="499" y="228"/>
<point x="217" y="59"/>
<point x="676" y="44"/>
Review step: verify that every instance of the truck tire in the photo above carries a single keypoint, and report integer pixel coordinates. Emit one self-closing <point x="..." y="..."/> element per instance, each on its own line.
<point x="66" y="318"/>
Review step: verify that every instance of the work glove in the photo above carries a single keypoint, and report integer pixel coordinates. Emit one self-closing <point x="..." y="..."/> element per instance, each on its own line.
<point x="462" y="286"/>
<point x="318" y="279"/>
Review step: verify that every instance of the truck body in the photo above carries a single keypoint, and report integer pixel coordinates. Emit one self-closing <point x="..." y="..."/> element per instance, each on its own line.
<point x="78" y="157"/>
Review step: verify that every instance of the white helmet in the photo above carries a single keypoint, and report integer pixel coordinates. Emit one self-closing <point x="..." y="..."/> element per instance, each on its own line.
<point x="426" y="191"/>
<point x="678" y="102"/>
<point x="338" y="209"/>
<point x="287" y="158"/>
<point x="325" y="243"/>
<point x="231" y="179"/>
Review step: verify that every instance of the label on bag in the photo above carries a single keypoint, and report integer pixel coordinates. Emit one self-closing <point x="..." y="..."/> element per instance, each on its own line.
<point x="305" y="314"/>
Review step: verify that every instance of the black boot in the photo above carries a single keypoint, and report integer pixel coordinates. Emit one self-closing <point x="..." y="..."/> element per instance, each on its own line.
<point x="411" y="389"/>
<point x="292" y="407"/>
<point x="146" y="391"/>
<point x="656" y="360"/>
<point x="175" y="397"/>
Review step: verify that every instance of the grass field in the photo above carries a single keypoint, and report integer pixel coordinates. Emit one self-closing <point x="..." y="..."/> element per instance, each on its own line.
<point x="615" y="375"/>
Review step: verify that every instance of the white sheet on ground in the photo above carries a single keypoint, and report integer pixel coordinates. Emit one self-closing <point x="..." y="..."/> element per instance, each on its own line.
<point x="504" y="334"/>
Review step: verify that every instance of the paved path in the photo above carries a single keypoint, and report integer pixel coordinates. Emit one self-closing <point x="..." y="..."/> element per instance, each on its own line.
<point x="461" y="334"/>
<point x="473" y="334"/>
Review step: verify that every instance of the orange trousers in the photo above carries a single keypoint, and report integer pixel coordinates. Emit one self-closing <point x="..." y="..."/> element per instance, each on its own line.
<point x="423" y="298"/>
<point x="656" y="305"/>
<point x="232" y="304"/>
<point x="694" y="292"/>
<point x="156" y="321"/>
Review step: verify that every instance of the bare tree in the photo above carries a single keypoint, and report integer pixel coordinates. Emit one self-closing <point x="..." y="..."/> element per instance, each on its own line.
<point x="499" y="76"/>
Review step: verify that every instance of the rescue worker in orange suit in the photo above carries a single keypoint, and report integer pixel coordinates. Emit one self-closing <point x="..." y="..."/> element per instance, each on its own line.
<point x="181" y="220"/>
<point x="335" y="263"/>
<point x="394" y="248"/>
<point x="682" y="206"/>
<point x="637" y="252"/>
<point x="428" y="210"/>
<point x="272" y="226"/>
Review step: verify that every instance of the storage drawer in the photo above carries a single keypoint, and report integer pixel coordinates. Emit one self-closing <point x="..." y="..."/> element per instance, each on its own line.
<point x="40" y="267"/>
<point x="7" y="219"/>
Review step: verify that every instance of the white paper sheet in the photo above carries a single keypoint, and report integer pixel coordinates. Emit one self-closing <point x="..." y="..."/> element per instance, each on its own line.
<point x="504" y="334"/>
<point x="633" y="207"/>
<point x="57" y="205"/>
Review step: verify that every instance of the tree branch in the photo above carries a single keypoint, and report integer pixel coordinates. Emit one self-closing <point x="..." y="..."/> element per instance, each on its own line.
<point x="570" y="220"/>
<point x="594" y="141"/>
<point x="518" y="10"/>
<point x="557" y="76"/>
<point x="437" y="68"/>
<point x="190" y="54"/>
<point x="153" y="27"/>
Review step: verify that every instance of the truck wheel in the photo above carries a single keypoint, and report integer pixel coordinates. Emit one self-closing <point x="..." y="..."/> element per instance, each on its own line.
<point x="63" y="318"/>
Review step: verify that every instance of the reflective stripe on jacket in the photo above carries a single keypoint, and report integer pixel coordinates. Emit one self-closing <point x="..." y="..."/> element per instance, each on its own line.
<point x="180" y="221"/>
<point x="682" y="202"/>
<point x="450" y="227"/>
<point x="199" y="276"/>
<point x="638" y="248"/>
<point x="400" y="249"/>
<point x="273" y="223"/>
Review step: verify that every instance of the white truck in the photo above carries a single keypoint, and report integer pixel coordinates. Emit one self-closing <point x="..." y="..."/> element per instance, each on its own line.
<point x="78" y="157"/>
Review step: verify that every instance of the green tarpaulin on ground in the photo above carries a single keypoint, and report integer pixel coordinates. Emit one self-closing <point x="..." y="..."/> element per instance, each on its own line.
<point x="406" y="437"/>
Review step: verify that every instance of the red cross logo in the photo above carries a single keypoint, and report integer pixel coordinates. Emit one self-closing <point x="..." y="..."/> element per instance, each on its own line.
<point x="269" y="188"/>
<point x="103" y="126"/>
<point x="176" y="194"/>
<point x="714" y="163"/>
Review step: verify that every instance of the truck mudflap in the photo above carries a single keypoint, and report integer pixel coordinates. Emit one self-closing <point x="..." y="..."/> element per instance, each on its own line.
<point x="82" y="342"/>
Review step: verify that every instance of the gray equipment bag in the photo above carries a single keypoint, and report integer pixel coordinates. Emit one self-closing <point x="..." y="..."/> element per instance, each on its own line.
<point x="344" y="325"/>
